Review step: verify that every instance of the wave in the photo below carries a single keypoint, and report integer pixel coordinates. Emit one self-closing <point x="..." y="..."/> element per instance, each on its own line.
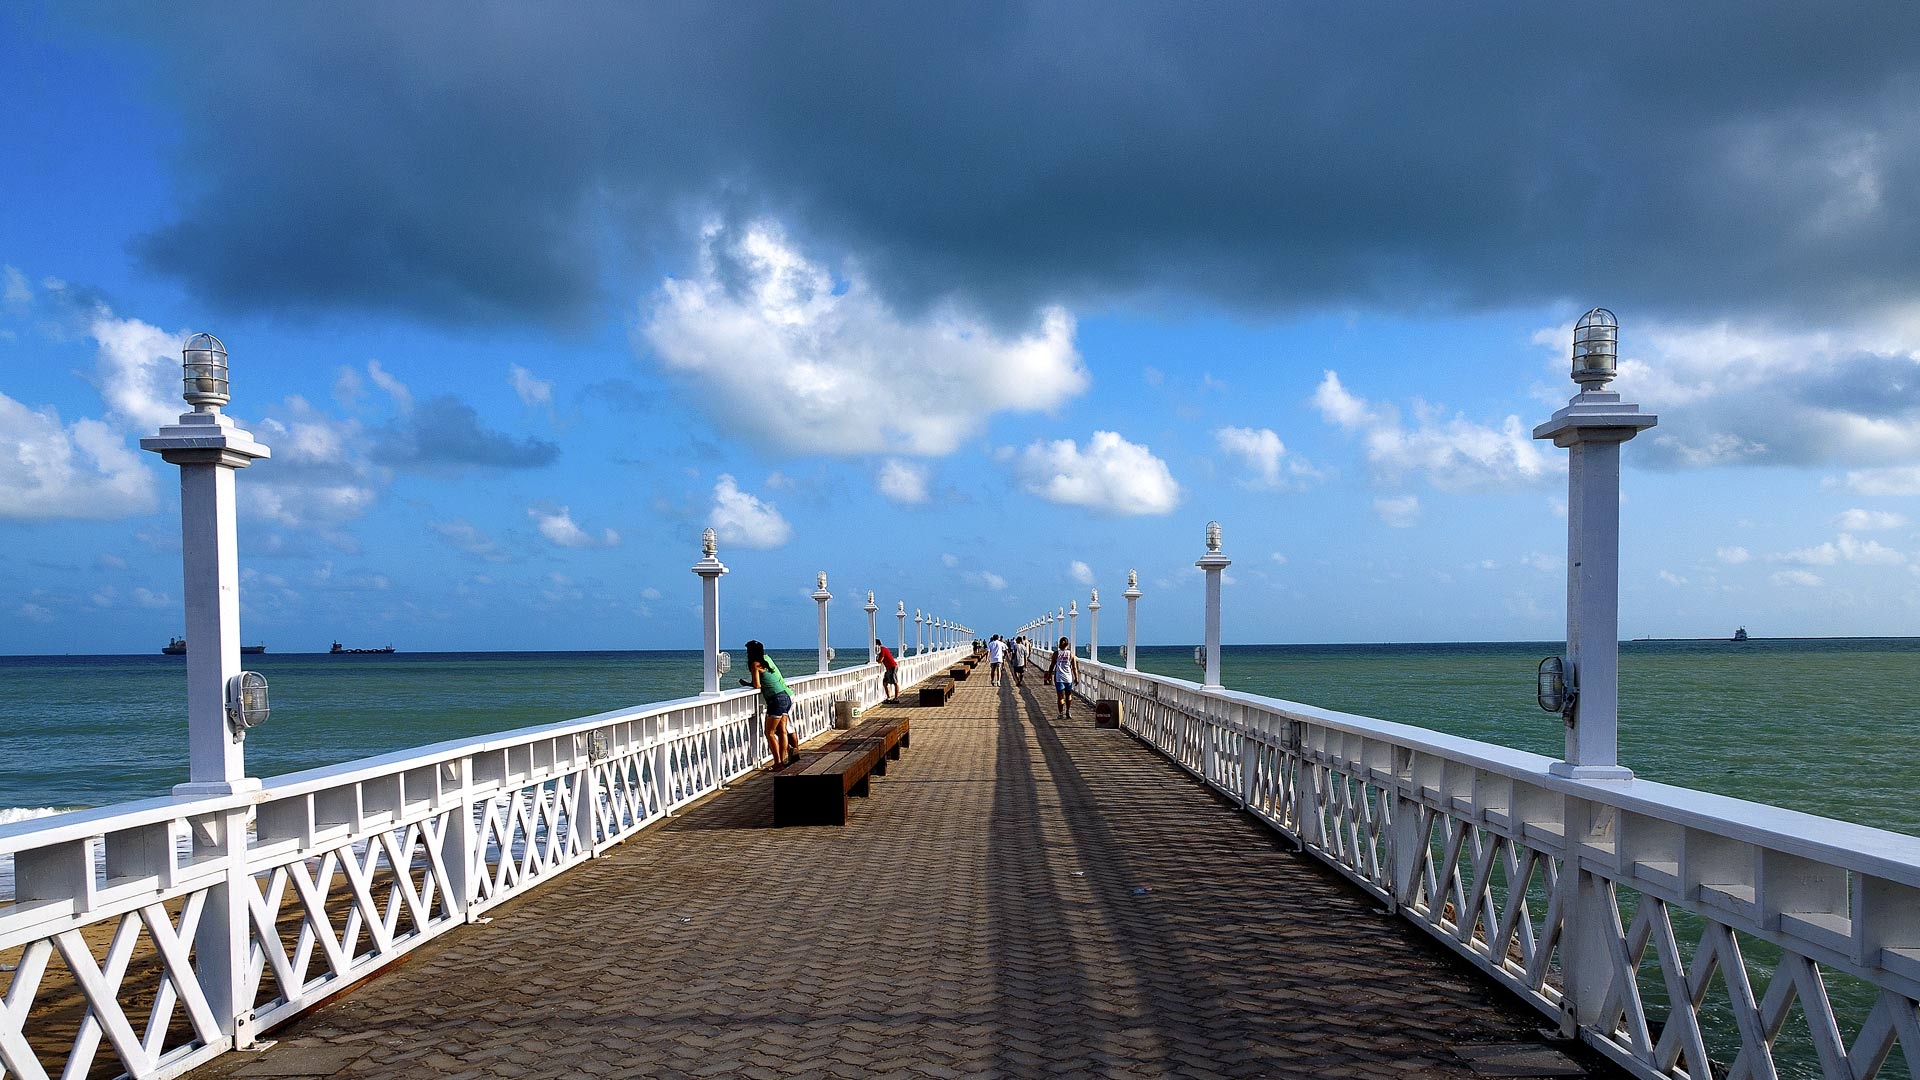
<point x="11" y="814"/>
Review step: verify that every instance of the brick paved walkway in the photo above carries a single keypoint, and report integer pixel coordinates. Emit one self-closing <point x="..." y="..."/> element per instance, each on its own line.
<point x="1018" y="897"/>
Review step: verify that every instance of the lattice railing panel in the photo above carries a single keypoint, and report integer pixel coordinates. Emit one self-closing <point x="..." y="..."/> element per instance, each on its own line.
<point x="121" y="995"/>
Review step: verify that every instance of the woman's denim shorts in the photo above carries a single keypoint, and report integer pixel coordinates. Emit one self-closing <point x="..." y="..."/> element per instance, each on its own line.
<point x="782" y="705"/>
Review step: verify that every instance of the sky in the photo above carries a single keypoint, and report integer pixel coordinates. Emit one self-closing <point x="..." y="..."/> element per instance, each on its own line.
<point x="977" y="308"/>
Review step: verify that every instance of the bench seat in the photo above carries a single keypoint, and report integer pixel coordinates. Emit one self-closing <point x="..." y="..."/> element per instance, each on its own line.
<point x="813" y="789"/>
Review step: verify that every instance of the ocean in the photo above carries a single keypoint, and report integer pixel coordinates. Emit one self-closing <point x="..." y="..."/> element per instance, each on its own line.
<point x="1828" y="726"/>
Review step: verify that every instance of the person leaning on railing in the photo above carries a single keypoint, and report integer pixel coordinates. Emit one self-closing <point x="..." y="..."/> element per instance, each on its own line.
<point x="890" y="682"/>
<point x="766" y="678"/>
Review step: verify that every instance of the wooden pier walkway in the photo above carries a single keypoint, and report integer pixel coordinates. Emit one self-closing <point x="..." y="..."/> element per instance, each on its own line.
<point x="1018" y="897"/>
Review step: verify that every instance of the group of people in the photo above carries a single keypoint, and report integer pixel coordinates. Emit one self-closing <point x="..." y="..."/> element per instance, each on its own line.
<point x="1014" y="652"/>
<point x="764" y="675"/>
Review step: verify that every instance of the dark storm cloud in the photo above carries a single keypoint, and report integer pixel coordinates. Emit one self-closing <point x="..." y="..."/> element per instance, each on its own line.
<point x="447" y="432"/>
<point x="464" y="163"/>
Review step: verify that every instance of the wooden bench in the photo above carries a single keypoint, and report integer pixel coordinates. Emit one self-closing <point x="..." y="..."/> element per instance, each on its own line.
<point x="960" y="672"/>
<point x="813" y="789"/>
<point x="936" y="693"/>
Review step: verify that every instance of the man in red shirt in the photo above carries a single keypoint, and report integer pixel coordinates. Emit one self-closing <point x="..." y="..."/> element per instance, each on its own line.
<point x="891" y="680"/>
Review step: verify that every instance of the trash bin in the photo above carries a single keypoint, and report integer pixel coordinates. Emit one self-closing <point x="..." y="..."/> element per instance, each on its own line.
<point x="1106" y="713"/>
<point x="845" y="714"/>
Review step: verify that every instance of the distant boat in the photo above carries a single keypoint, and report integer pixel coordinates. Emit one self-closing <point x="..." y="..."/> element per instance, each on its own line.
<point x="1740" y="634"/>
<point x="178" y="647"/>
<point x="338" y="650"/>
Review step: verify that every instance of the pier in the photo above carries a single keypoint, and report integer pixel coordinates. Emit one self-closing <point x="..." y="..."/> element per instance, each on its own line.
<point x="1017" y="897"/>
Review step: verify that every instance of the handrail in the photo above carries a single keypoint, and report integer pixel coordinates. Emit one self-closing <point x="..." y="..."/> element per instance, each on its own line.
<point x="1643" y="916"/>
<point x="239" y="896"/>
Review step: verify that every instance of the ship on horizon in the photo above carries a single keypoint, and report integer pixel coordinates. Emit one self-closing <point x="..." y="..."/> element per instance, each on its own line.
<point x="178" y="647"/>
<point x="339" y="650"/>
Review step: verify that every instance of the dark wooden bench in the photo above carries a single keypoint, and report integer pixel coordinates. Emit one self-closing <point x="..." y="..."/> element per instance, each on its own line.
<point x="960" y="672"/>
<point x="936" y="693"/>
<point x="813" y="789"/>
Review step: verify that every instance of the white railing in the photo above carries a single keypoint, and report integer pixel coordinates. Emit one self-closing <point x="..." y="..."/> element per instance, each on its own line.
<point x="1668" y="927"/>
<point x="186" y="927"/>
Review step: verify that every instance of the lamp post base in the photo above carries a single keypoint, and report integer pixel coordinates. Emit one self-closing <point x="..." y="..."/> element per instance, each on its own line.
<point x="213" y="789"/>
<point x="1589" y="772"/>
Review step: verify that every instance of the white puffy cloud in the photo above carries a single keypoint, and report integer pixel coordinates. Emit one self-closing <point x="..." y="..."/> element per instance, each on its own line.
<point x="1844" y="548"/>
<point x="1081" y="572"/>
<point x="1732" y="556"/>
<point x="1265" y="457"/>
<point x="1398" y="511"/>
<point x="1453" y="452"/>
<point x="742" y="518"/>
<point x="558" y="526"/>
<point x="137" y="371"/>
<point x="786" y="354"/>
<point x="1858" y="520"/>
<point x="395" y="389"/>
<point x="1867" y="552"/>
<point x="1893" y="480"/>
<point x="1803" y="578"/>
<point x="902" y="481"/>
<point x="1672" y="578"/>
<point x="987" y="579"/>
<point x="531" y="390"/>
<point x="78" y="470"/>
<point x="1279" y="559"/>
<point x="1111" y="475"/>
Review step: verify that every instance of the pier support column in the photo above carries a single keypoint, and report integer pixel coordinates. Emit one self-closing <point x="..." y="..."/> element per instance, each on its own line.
<point x="1133" y="598"/>
<point x="1073" y="625"/>
<point x="1591" y="428"/>
<point x="901" y="614"/>
<point x="709" y="568"/>
<point x="919" y="633"/>
<point x="821" y="596"/>
<point x="1093" y="627"/>
<point x="1214" y="564"/>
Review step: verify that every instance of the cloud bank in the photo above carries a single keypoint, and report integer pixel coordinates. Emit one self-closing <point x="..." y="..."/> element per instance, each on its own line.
<point x="1459" y="164"/>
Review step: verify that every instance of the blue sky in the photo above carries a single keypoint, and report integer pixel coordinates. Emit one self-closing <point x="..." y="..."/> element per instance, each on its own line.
<point x="976" y="316"/>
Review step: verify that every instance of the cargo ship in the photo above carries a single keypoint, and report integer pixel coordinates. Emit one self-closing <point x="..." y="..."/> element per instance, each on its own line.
<point x="337" y="650"/>
<point x="178" y="647"/>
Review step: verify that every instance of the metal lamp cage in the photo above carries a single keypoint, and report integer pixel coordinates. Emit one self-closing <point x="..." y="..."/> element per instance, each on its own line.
<point x="204" y="360"/>
<point x="1596" y="349"/>
<point x="247" y="705"/>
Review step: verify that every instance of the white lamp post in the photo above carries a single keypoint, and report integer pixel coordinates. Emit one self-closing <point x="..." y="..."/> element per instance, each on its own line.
<point x="1213" y="563"/>
<point x="1591" y="427"/>
<point x="221" y="699"/>
<point x="902" y="616"/>
<point x="209" y="449"/>
<point x="1073" y="625"/>
<point x="1093" y="626"/>
<point x="1133" y="598"/>
<point x="709" y="568"/>
<point x="821" y="596"/>
<point x="919" y="632"/>
<point x="873" y="629"/>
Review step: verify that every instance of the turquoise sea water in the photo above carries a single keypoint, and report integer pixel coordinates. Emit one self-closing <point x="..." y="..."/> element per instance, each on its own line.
<point x="1829" y="726"/>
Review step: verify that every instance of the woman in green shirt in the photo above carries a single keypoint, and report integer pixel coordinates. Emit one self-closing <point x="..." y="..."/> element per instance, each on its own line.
<point x="766" y="678"/>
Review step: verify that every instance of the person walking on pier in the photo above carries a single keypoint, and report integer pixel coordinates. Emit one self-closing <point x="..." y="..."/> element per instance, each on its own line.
<point x="1017" y="659"/>
<point x="890" y="682"/>
<point x="996" y="651"/>
<point x="1066" y="669"/>
<point x="766" y="678"/>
